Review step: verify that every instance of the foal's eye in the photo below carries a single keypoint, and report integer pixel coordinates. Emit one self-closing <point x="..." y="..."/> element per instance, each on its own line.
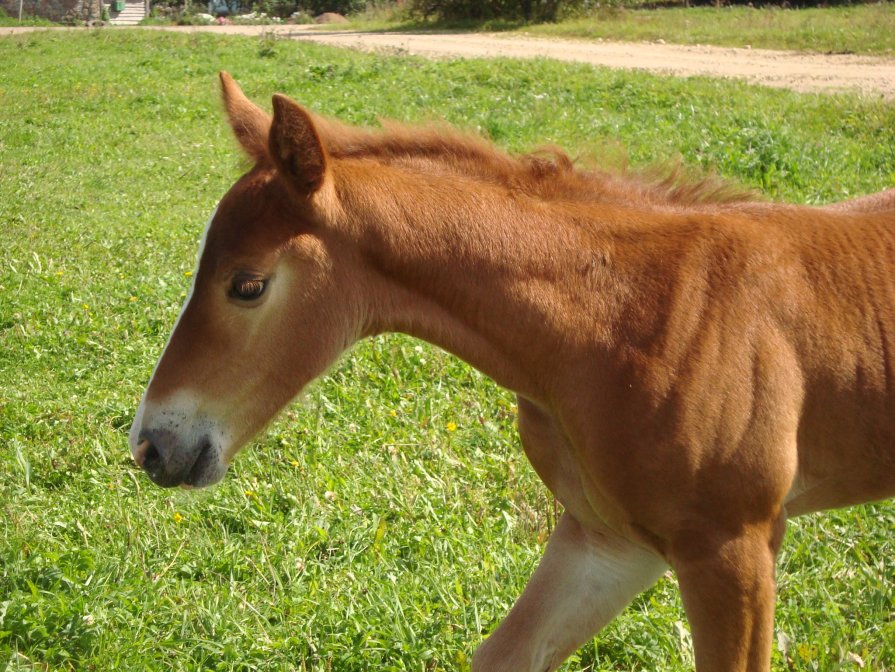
<point x="247" y="288"/>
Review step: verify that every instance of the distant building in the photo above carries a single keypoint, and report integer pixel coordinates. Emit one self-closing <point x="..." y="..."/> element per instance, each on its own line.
<point x="56" y="10"/>
<point x="123" y="12"/>
<point x="223" y="7"/>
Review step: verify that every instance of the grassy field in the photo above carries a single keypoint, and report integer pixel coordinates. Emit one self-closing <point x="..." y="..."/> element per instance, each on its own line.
<point x="860" y="29"/>
<point x="389" y="519"/>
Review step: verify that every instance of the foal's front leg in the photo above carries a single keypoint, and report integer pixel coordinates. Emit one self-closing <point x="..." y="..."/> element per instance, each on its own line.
<point x="585" y="578"/>
<point x="727" y="584"/>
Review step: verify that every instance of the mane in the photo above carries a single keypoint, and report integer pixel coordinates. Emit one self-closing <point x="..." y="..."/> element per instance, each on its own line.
<point x="548" y="173"/>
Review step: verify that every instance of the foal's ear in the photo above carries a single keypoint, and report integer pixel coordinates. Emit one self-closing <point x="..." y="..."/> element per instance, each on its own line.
<point x="250" y="123"/>
<point x="295" y="145"/>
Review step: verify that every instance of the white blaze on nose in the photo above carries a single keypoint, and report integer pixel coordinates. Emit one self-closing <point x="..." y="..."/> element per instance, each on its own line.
<point x="137" y="425"/>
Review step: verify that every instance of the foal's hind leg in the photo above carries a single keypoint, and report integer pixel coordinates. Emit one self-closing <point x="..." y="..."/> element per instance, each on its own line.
<point x="583" y="581"/>
<point x="727" y="584"/>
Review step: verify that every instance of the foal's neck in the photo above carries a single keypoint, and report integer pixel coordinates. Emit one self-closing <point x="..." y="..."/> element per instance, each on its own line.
<point x="507" y="283"/>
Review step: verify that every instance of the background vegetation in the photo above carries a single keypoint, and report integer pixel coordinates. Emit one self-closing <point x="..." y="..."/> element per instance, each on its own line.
<point x="853" y="28"/>
<point x="389" y="519"/>
<point x="862" y="29"/>
<point x="553" y="10"/>
<point x="7" y="20"/>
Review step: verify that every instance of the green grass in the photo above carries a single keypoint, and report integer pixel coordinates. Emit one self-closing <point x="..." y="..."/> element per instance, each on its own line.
<point x="389" y="519"/>
<point x="7" y="21"/>
<point x="860" y="29"/>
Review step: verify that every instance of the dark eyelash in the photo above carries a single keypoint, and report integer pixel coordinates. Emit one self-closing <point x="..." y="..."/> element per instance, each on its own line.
<point x="247" y="288"/>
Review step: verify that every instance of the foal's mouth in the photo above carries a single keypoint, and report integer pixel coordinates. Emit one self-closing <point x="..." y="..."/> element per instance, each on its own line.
<point x="203" y="467"/>
<point x="198" y="468"/>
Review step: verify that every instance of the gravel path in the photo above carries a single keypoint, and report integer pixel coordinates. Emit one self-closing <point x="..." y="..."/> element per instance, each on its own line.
<point x="870" y="75"/>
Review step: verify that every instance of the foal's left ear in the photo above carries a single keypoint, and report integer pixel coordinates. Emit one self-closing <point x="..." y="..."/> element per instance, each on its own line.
<point x="250" y="123"/>
<point x="295" y="145"/>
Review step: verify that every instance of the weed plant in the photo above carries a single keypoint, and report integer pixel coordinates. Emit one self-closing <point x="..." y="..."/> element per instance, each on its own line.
<point x="389" y="519"/>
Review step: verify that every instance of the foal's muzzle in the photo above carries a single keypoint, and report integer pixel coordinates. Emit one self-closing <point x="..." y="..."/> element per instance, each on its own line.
<point x="169" y="463"/>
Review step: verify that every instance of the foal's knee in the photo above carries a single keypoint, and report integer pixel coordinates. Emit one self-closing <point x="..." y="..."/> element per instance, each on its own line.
<point x="500" y="653"/>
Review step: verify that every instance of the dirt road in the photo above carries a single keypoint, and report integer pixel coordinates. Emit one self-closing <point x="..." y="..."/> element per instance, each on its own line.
<point x="869" y="75"/>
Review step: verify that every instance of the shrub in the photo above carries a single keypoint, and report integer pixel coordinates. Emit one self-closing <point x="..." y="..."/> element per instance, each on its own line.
<point x="528" y="10"/>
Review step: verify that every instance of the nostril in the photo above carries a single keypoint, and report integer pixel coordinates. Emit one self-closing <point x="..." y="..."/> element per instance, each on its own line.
<point x="151" y="458"/>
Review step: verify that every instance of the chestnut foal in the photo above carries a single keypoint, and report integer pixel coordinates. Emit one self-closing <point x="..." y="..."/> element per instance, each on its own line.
<point x="692" y="367"/>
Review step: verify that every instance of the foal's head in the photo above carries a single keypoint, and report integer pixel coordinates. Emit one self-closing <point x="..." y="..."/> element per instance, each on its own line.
<point x="271" y="305"/>
<point x="287" y="275"/>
